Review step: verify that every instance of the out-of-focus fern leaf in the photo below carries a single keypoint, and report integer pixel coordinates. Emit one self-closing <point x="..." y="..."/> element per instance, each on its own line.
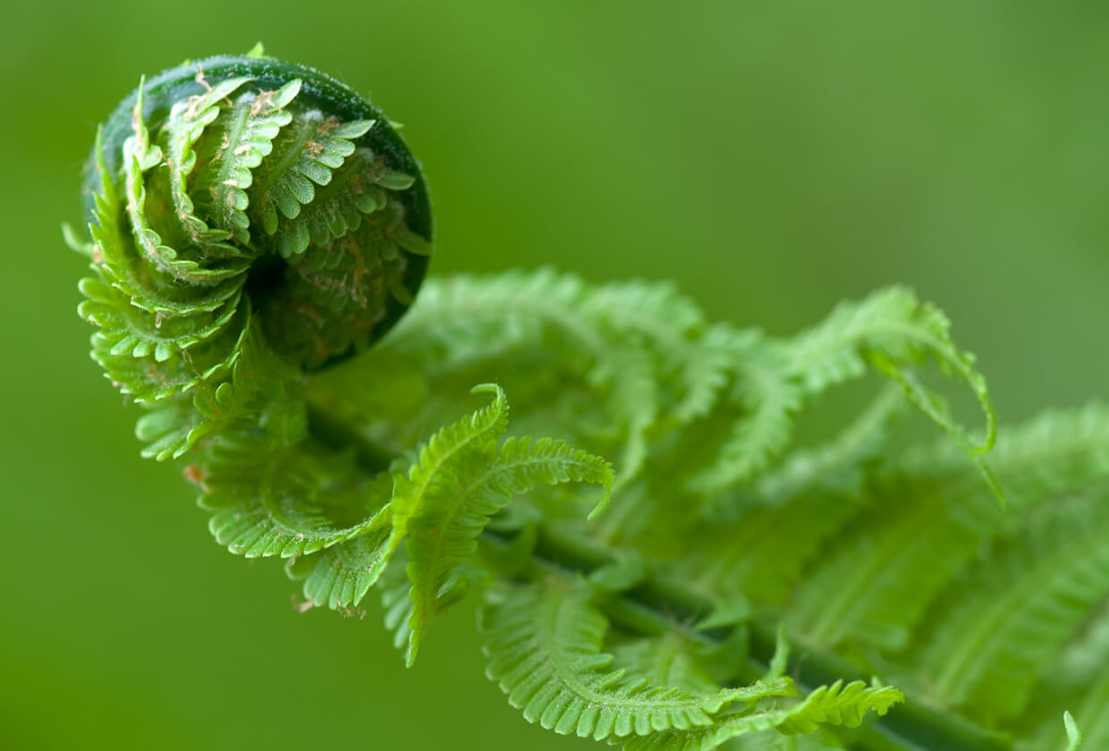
<point x="675" y="330"/>
<point x="666" y="660"/>
<point x="465" y="319"/>
<point x="1078" y="681"/>
<point x="763" y="552"/>
<point x="894" y="331"/>
<point x="1074" y="735"/>
<point x="841" y="465"/>
<point x="930" y="518"/>
<point x="991" y="638"/>
<point x="772" y="740"/>
<point x="876" y="580"/>
<point x="448" y="331"/>
<point x="1056" y="453"/>
<point x="770" y="396"/>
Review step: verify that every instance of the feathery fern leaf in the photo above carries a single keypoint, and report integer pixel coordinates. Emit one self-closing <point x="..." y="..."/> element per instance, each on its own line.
<point x="340" y="576"/>
<point x="893" y="330"/>
<point x="306" y="156"/>
<point x="841" y="464"/>
<point x="444" y="529"/>
<point x="231" y="147"/>
<point x="284" y="502"/>
<point x="139" y="157"/>
<point x="828" y="705"/>
<point x="475" y="434"/>
<point x="677" y="333"/>
<point x="187" y="121"/>
<point x="545" y="653"/>
<point x="769" y="397"/>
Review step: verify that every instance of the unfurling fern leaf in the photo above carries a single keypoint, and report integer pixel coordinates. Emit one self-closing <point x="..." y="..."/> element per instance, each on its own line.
<point x="288" y="502"/>
<point x="256" y="226"/>
<point x="459" y="486"/>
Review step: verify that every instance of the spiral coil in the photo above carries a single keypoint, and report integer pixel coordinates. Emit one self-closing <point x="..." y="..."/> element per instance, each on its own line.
<point x="247" y="214"/>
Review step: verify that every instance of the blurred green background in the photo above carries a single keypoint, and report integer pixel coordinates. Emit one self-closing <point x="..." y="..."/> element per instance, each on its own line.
<point x="771" y="157"/>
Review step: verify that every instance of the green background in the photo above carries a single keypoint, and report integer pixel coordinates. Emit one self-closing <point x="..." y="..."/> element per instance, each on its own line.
<point x="773" y="157"/>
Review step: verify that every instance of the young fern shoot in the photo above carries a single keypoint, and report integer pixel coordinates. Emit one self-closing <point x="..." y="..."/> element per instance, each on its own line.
<point x="258" y="234"/>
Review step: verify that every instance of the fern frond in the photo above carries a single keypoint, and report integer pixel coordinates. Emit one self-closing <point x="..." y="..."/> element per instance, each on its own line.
<point x="839" y="705"/>
<point x="340" y="576"/>
<point x="256" y="226"/>
<point x="763" y="552"/>
<point x="545" y="653"/>
<point x="306" y="156"/>
<point x="443" y="531"/>
<point x="676" y="332"/>
<point x="875" y="582"/>
<point x="772" y="740"/>
<point x="666" y="660"/>
<point x="1056" y="453"/>
<point x="187" y="121"/>
<point x="839" y="465"/>
<point x="337" y="208"/>
<point x="931" y="516"/>
<point x="992" y="638"/>
<point x="769" y="396"/>
<point x="258" y="384"/>
<point x="836" y="705"/>
<point x="472" y="436"/>
<point x="465" y="319"/>
<point x="139" y="157"/>
<point x="131" y="330"/>
<point x="149" y="380"/>
<point x="285" y="502"/>
<point x="230" y="148"/>
<point x="893" y="330"/>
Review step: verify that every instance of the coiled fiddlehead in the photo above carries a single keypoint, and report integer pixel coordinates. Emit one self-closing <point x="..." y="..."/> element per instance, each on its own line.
<point x="250" y="219"/>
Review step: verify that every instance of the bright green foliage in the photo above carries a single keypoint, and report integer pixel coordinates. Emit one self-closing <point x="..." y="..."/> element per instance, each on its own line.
<point x="251" y="237"/>
<point x="832" y="705"/>
<point x="545" y="652"/>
